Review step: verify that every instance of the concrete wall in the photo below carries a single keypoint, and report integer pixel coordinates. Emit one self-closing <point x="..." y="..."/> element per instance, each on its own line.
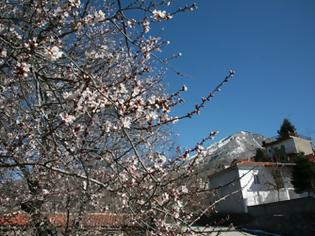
<point x="227" y="182"/>
<point x="304" y="205"/>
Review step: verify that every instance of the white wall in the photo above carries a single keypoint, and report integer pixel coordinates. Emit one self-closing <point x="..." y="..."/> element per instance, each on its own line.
<point x="288" y="145"/>
<point x="291" y="145"/>
<point x="227" y="182"/>
<point x="266" y="191"/>
<point x="240" y="180"/>
<point x="303" y="145"/>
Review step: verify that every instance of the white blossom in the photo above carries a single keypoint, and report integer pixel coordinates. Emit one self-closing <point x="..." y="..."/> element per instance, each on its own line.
<point x="53" y="53"/>
<point x="160" y="15"/>
<point x="126" y="122"/>
<point x="108" y="125"/>
<point x="184" y="189"/>
<point x="151" y="115"/>
<point x="122" y="89"/>
<point x="99" y="15"/>
<point x="68" y="119"/>
<point x="152" y="99"/>
<point x="24" y="68"/>
<point x="164" y="198"/>
<point x="45" y="191"/>
<point x="3" y="52"/>
<point x="131" y="23"/>
<point x="174" y="119"/>
<point x="75" y="3"/>
<point x="146" y="25"/>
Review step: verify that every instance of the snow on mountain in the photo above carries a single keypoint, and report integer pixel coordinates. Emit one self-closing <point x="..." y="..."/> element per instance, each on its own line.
<point x="239" y="146"/>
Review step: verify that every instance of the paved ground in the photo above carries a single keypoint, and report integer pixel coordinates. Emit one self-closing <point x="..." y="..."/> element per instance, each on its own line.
<point x="224" y="231"/>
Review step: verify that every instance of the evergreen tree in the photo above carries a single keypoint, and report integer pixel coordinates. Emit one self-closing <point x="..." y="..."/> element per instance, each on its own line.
<point x="286" y="129"/>
<point x="303" y="175"/>
<point x="260" y="155"/>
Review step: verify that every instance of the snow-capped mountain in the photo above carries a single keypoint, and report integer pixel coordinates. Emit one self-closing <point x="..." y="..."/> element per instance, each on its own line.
<point x="239" y="146"/>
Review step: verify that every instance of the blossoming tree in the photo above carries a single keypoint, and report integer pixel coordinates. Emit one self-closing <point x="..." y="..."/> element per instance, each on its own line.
<point x="83" y="113"/>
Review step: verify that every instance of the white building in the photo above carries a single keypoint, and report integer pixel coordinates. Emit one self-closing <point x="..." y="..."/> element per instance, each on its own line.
<point x="288" y="146"/>
<point x="249" y="183"/>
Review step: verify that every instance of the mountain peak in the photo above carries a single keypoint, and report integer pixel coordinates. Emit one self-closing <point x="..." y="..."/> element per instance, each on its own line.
<point x="239" y="146"/>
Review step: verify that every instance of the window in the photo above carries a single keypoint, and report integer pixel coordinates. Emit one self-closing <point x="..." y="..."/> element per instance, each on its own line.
<point x="256" y="179"/>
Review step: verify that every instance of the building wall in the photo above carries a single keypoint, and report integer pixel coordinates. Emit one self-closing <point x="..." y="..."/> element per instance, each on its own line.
<point x="227" y="182"/>
<point x="288" y="145"/>
<point x="273" y="184"/>
<point x="303" y="145"/>
<point x="251" y="185"/>
<point x="291" y="145"/>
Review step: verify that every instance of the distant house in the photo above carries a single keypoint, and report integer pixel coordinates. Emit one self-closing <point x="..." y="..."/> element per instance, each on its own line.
<point x="249" y="183"/>
<point x="288" y="147"/>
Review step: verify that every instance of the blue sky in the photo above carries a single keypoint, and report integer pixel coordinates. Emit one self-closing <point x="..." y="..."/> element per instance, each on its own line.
<point x="270" y="44"/>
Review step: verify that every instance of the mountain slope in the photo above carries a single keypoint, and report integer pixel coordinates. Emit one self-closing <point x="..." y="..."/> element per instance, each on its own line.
<point x="239" y="146"/>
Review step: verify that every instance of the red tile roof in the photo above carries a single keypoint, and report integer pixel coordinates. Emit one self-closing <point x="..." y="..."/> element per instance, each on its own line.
<point x="93" y="220"/>
<point x="14" y="219"/>
<point x="250" y="164"/>
<point x="90" y="220"/>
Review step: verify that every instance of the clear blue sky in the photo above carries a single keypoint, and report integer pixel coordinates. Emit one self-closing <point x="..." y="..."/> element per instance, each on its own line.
<point x="270" y="44"/>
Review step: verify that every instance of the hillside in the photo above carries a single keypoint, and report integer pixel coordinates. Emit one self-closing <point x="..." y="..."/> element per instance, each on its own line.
<point x="239" y="146"/>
